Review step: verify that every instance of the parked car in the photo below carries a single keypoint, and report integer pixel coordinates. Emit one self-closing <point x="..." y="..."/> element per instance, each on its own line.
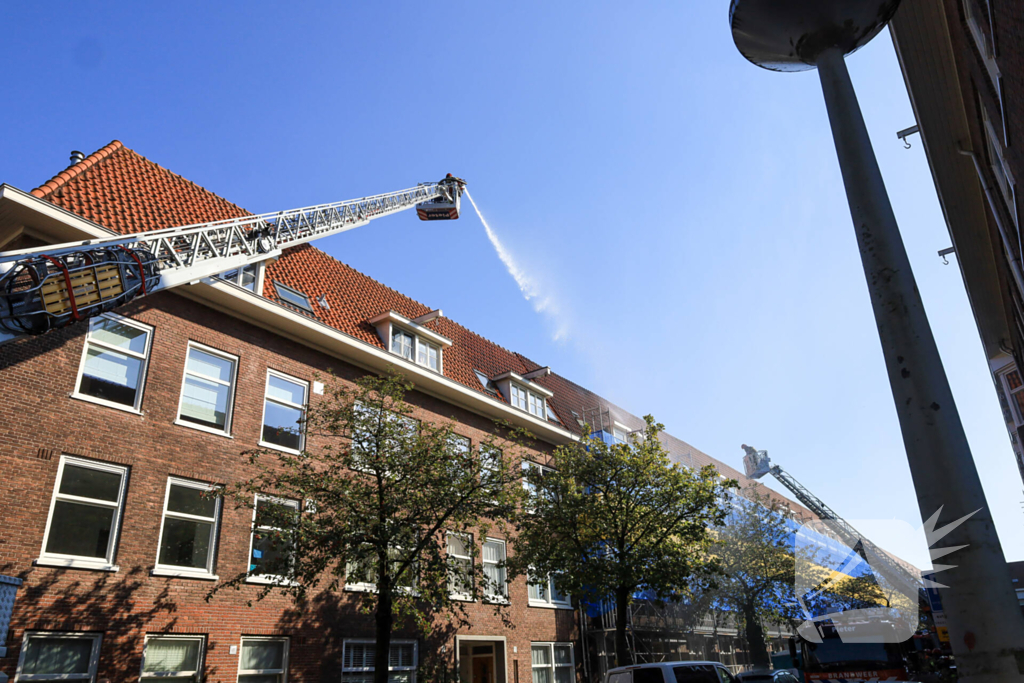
<point x="778" y="676"/>
<point x="671" y="672"/>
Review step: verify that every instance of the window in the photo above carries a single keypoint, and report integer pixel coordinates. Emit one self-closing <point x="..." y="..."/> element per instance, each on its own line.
<point x="411" y="346"/>
<point x="267" y="545"/>
<point x="518" y="396"/>
<point x="85" y="511"/>
<point x="245" y="277"/>
<point x="361" y="574"/>
<point x="113" y="367"/>
<point x="208" y="389"/>
<point x="284" y="407"/>
<point x="402" y="343"/>
<point x="174" y="658"/>
<point x="543" y="593"/>
<point x="293" y="297"/>
<point x="496" y="588"/>
<point x="531" y="402"/>
<point x="997" y="162"/>
<point x="48" y="656"/>
<point x="188" y="532"/>
<point x="1014" y="389"/>
<point x="263" y="660"/>
<point x="552" y="663"/>
<point x="358" y="656"/>
<point x="427" y="354"/>
<point x="490" y="464"/>
<point x="527" y="466"/>
<point x="460" y="561"/>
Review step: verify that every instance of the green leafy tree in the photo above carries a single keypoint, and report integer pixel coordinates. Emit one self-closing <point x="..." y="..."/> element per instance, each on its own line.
<point x="609" y="520"/>
<point x="756" y="555"/>
<point x="376" y="501"/>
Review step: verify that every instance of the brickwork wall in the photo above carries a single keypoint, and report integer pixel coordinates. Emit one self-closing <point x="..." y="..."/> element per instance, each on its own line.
<point x="39" y="421"/>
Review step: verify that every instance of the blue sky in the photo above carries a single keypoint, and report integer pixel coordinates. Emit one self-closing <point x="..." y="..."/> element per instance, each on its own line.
<point x="678" y="211"/>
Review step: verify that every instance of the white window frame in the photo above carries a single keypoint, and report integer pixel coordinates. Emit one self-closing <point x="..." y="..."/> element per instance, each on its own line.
<point x="232" y="385"/>
<point x="529" y="464"/>
<point x="371" y="587"/>
<point x="425" y="347"/>
<point x="257" y="272"/>
<point x="550" y="646"/>
<point x="517" y="396"/>
<point x="529" y="401"/>
<point x="467" y="540"/>
<point x="271" y="579"/>
<point x="94" y="656"/>
<point x="79" y="561"/>
<point x="548" y="602"/>
<point x="282" y="672"/>
<point x="143" y="357"/>
<point x="1007" y="188"/>
<point x="302" y="408"/>
<point x="369" y="669"/>
<point x="501" y="597"/>
<point x="412" y="343"/>
<point x="418" y="344"/>
<point x="157" y="675"/>
<point x="188" y="572"/>
<point x="986" y="47"/>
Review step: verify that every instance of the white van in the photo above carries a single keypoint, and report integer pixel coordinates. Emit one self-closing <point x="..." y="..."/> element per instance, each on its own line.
<point x="671" y="672"/>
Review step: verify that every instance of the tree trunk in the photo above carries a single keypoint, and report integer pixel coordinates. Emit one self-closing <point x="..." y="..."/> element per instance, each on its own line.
<point x="623" y="655"/>
<point x="384" y="620"/>
<point x="755" y="638"/>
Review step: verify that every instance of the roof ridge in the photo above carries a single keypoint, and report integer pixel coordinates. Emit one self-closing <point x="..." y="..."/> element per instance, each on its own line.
<point x="77" y="168"/>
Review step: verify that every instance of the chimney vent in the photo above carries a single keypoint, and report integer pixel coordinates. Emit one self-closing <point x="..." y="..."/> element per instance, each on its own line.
<point x="77" y="157"/>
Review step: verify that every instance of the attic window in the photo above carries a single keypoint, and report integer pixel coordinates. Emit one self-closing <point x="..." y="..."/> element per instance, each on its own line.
<point x="293" y="297"/>
<point x="245" y="277"/>
<point x="410" y="340"/>
<point x="523" y="394"/>
<point x="488" y="384"/>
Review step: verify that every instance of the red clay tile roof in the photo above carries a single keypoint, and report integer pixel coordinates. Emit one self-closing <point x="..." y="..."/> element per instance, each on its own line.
<point x="128" y="193"/>
<point x="125" y="192"/>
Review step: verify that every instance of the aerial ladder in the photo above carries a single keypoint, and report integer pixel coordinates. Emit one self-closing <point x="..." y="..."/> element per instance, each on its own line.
<point x="756" y="464"/>
<point x="45" y="288"/>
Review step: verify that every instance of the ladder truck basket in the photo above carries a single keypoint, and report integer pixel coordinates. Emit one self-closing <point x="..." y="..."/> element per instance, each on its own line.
<point x="445" y="207"/>
<point x="41" y="293"/>
<point x="756" y="463"/>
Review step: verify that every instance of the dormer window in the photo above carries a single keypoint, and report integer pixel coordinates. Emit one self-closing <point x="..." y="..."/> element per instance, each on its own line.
<point x="523" y="394"/>
<point x="428" y="354"/>
<point x="411" y="340"/>
<point x="402" y="343"/>
<point x="293" y="297"/>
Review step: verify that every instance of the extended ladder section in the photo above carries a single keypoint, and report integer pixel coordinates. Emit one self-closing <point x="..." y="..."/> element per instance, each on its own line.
<point x="757" y="464"/>
<point x="45" y="288"/>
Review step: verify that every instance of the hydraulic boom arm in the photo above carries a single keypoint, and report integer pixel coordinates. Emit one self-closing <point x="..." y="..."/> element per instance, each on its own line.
<point x="757" y="464"/>
<point x="48" y="287"/>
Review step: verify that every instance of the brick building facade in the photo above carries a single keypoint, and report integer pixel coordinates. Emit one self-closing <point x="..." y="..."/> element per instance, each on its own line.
<point x="112" y="427"/>
<point x="963" y="63"/>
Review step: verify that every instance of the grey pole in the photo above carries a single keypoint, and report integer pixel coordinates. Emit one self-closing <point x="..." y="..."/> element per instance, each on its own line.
<point x="986" y="628"/>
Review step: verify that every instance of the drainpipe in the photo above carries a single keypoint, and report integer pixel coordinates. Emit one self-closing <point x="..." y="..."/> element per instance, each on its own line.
<point x="1015" y="267"/>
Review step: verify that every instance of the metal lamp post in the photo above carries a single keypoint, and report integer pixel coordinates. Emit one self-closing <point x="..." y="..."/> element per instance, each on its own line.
<point x="985" y="624"/>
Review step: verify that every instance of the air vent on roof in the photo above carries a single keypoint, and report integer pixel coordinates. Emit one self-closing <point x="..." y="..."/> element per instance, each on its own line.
<point x="77" y="157"/>
<point x="322" y="300"/>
